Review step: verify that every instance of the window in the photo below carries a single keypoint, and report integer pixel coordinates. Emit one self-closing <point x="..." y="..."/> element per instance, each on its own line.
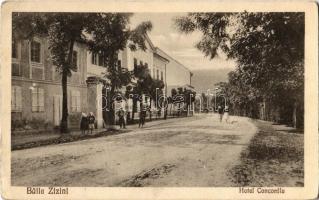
<point x="75" y="101"/>
<point x="162" y="76"/>
<point x="119" y="65"/>
<point x="16" y="99"/>
<point x="15" y="65"/>
<point x="157" y="74"/>
<point x="37" y="100"/>
<point x="135" y="63"/>
<point x="101" y="60"/>
<point x="15" y="49"/>
<point x="35" y="52"/>
<point x="75" y="60"/>
<point x="94" y="59"/>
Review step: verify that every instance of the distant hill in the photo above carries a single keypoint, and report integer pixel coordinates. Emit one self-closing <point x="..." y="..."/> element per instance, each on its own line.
<point x="206" y="79"/>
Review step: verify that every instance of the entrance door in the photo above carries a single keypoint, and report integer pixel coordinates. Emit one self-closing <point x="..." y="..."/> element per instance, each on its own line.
<point x="57" y="109"/>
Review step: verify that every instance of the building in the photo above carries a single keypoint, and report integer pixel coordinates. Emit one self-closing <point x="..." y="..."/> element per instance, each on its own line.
<point x="177" y="75"/>
<point x="36" y="84"/>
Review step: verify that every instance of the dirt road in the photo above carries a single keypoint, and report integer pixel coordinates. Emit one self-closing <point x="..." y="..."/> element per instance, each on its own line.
<point x="194" y="151"/>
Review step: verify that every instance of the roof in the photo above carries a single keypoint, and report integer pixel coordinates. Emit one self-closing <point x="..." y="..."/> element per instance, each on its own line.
<point x="150" y="42"/>
<point x="156" y="53"/>
<point x="160" y="51"/>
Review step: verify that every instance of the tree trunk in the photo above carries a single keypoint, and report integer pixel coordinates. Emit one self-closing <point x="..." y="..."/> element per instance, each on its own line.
<point x="151" y="110"/>
<point x="111" y="107"/>
<point x="65" y="113"/>
<point x="64" y="121"/>
<point x="294" y="115"/>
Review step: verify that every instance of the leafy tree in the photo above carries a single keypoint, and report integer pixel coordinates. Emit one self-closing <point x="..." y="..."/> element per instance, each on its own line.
<point x="146" y="85"/>
<point x="268" y="49"/>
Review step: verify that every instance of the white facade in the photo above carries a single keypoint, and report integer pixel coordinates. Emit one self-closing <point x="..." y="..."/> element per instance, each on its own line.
<point x="161" y="67"/>
<point x="177" y="75"/>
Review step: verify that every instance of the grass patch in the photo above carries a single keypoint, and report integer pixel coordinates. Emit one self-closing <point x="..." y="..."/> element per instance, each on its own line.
<point x="273" y="158"/>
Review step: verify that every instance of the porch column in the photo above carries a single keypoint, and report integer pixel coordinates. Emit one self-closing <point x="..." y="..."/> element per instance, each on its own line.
<point x="99" y="109"/>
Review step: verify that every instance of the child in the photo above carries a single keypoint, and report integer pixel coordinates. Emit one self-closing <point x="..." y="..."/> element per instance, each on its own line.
<point x="91" y="120"/>
<point x="121" y="114"/>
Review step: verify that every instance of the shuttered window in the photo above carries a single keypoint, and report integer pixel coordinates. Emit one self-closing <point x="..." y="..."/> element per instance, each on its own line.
<point x="94" y="58"/>
<point x="119" y="65"/>
<point x="37" y="100"/>
<point x="35" y="52"/>
<point x="16" y="99"/>
<point x="14" y="49"/>
<point x="101" y="60"/>
<point x="135" y="64"/>
<point x="75" y="101"/>
<point x="75" y="60"/>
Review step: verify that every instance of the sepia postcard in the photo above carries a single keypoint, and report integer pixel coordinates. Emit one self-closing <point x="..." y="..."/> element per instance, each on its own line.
<point x="159" y="100"/>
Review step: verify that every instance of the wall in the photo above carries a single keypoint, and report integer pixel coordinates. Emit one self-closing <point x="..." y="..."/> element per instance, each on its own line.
<point x="127" y="56"/>
<point x="50" y="81"/>
<point x="159" y="64"/>
<point x="177" y="75"/>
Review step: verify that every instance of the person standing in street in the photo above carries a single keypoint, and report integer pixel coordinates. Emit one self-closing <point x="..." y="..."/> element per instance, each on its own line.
<point x="226" y="113"/>
<point x="142" y="117"/>
<point x="121" y="115"/>
<point x="220" y="111"/>
<point x="91" y="120"/>
<point x="84" y="123"/>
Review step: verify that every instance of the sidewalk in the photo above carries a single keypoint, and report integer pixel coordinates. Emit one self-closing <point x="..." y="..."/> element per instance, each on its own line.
<point x="35" y="140"/>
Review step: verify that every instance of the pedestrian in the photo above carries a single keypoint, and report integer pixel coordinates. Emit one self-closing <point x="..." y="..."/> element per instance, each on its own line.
<point x="142" y="117"/>
<point x="121" y="115"/>
<point x="84" y="123"/>
<point x="226" y="113"/>
<point x="91" y="120"/>
<point x="220" y="111"/>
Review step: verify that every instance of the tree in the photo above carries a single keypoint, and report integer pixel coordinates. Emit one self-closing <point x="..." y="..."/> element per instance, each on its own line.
<point x="146" y="85"/>
<point x="268" y="48"/>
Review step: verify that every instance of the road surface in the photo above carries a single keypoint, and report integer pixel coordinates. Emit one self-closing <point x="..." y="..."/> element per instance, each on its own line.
<point x="193" y="151"/>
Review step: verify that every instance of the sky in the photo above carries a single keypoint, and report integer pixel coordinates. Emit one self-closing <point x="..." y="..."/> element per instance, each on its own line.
<point x="179" y="45"/>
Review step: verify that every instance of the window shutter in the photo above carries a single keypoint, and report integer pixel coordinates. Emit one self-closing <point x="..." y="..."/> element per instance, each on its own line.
<point x="18" y="98"/>
<point x="34" y="94"/>
<point x="41" y="99"/>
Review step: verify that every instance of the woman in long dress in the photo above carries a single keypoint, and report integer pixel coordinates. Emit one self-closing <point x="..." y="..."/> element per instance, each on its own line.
<point x="226" y="113"/>
<point x="84" y="123"/>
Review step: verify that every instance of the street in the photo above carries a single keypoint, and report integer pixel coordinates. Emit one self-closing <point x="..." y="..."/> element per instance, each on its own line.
<point x="193" y="151"/>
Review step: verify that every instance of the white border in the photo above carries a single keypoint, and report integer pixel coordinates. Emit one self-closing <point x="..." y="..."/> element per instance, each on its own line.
<point x="311" y="97"/>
